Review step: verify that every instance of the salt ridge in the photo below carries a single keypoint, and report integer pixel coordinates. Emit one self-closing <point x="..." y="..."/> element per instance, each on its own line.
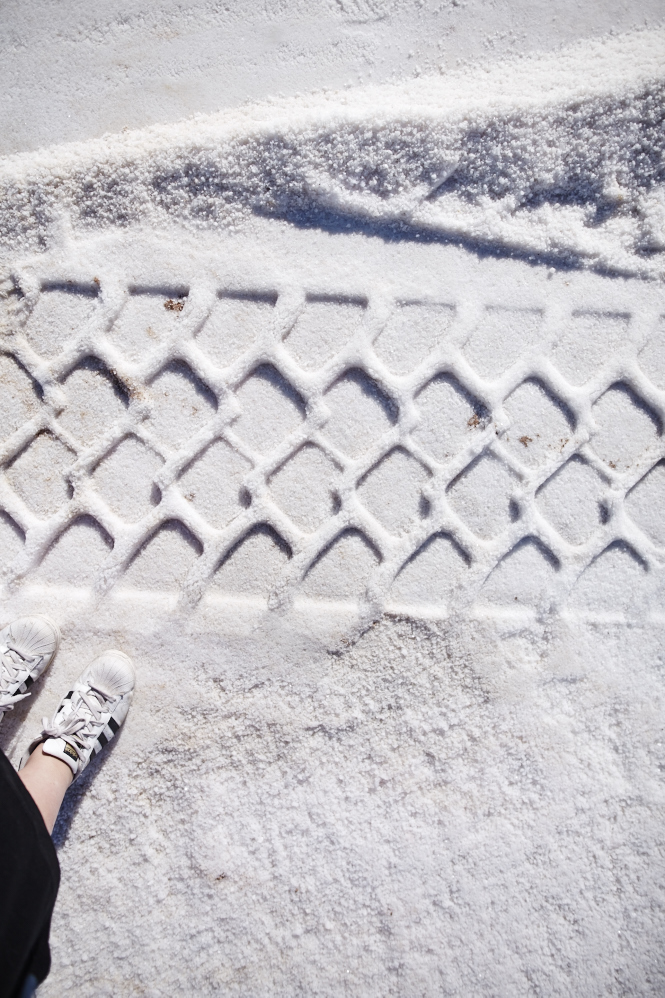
<point x="556" y="157"/>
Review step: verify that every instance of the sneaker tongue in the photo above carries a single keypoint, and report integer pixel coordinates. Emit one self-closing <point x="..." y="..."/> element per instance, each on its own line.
<point x="103" y="689"/>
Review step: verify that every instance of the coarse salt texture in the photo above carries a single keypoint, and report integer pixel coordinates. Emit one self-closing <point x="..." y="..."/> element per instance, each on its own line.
<point x="343" y="417"/>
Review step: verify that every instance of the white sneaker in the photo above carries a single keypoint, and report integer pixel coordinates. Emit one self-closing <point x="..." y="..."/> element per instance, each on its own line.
<point x="90" y="714"/>
<point x="27" y="648"/>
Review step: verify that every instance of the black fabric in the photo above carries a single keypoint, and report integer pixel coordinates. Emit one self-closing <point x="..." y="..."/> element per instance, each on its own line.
<point x="30" y="985"/>
<point x="29" y="886"/>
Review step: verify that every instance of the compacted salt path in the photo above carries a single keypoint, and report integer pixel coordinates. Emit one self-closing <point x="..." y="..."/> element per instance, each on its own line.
<point x="363" y="465"/>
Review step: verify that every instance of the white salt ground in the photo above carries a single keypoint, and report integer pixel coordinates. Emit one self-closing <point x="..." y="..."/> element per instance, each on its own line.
<point x="71" y="70"/>
<point x="377" y="516"/>
<point x="557" y="155"/>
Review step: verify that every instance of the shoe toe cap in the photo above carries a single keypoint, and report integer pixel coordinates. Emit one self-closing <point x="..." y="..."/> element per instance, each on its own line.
<point x="35" y="635"/>
<point x="113" y="672"/>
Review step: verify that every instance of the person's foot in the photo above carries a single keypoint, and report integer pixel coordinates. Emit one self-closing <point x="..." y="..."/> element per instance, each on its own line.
<point x="90" y="714"/>
<point x="27" y="648"/>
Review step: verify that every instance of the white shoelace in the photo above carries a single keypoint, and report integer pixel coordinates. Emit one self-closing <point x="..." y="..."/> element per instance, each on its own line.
<point x="12" y="666"/>
<point x="78" y="728"/>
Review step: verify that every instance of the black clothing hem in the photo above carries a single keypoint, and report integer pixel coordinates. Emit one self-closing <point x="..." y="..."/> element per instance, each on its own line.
<point x="30" y="881"/>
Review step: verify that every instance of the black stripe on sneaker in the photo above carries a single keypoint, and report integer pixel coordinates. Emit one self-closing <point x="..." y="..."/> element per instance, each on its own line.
<point x="69" y="695"/>
<point x="102" y="739"/>
<point x="29" y="681"/>
<point x="113" y="725"/>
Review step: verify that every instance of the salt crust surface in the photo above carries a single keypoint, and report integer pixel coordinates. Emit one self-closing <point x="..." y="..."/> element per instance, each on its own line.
<point x="380" y="523"/>
<point x="132" y="63"/>
<point x="442" y="810"/>
<point x="292" y="415"/>
<point x="299" y="804"/>
<point x="558" y="155"/>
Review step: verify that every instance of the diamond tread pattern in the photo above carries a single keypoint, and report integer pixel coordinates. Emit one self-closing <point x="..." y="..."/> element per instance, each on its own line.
<point x="484" y="403"/>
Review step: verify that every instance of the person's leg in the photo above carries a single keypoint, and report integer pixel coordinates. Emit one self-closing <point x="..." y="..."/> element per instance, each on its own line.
<point x="30" y="985"/>
<point x="30" y="879"/>
<point x="88" y="717"/>
<point x="46" y="780"/>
